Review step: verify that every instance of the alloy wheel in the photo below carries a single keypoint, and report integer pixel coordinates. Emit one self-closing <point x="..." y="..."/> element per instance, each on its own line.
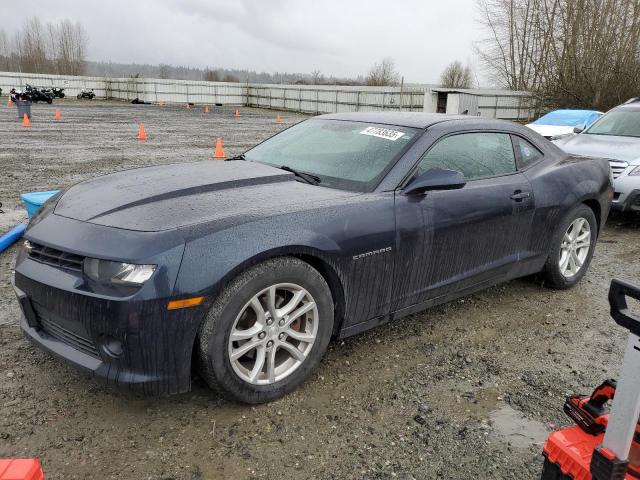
<point x="575" y="247"/>
<point x="273" y="334"/>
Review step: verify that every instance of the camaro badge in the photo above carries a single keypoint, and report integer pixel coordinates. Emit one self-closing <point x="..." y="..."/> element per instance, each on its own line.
<point x="373" y="252"/>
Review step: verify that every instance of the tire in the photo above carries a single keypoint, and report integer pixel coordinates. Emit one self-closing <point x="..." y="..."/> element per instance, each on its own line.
<point x="61" y="95"/>
<point x="555" y="275"/>
<point x="79" y="96"/>
<point x="236" y="305"/>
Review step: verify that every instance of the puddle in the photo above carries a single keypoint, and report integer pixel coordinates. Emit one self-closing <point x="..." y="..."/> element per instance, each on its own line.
<point x="516" y="429"/>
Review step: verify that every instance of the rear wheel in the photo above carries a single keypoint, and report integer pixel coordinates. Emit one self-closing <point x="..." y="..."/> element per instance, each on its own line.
<point x="572" y="248"/>
<point x="267" y="331"/>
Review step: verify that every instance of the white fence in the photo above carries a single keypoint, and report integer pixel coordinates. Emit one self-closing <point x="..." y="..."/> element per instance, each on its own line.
<point x="313" y="99"/>
<point x="333" y="99"/>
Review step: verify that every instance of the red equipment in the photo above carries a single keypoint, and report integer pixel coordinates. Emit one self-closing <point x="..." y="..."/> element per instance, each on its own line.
<point x="20" y="469"/>
<point x="598" y="446"/>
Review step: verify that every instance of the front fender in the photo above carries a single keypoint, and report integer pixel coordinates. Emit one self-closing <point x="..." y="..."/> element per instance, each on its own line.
<point x="356" y="241"/>
<point x="209" y="263"/>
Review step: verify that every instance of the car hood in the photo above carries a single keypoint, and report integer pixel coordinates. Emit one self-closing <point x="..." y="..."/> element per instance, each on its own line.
<point x="173" y="196"/>
<point x="604" y="146"/>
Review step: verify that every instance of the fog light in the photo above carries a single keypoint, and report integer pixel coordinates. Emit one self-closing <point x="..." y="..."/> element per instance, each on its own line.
<point x="112" y="347"/>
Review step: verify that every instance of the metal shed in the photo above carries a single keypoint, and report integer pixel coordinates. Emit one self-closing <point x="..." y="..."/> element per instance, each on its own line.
<point x="505" y="104"/>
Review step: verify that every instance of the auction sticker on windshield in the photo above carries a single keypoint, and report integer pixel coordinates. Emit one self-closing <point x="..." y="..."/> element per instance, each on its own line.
<point x="385" y="133"/>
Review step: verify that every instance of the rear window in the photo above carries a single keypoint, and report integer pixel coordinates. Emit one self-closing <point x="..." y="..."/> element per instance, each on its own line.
<point x="528" y="154"/>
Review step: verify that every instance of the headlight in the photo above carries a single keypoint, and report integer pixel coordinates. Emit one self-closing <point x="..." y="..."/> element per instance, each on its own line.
<point x="635" y="172"/>
<point x="117" y="273"/>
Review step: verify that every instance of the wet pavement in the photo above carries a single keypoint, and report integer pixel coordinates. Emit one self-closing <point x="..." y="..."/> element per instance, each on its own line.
<point x="465" y="390"/>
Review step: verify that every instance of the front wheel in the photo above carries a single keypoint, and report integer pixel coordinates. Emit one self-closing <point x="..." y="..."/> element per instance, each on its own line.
<point x="267" y="331"/>
<point x="79" y="96"/>
<point x="572" y="248"/>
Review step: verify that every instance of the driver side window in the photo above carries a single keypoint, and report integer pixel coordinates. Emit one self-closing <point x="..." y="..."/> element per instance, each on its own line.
<point x="475" y="155"/>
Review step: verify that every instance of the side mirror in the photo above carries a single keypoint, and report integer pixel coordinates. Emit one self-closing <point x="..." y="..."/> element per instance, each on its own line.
<point x="435" y="179"/>
<point x="579" y="129"/>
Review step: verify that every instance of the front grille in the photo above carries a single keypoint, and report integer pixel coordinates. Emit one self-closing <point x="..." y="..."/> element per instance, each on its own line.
<point x="55" y="258"/>
<point x="617" y="167"/>
<point x="55" y="330"/>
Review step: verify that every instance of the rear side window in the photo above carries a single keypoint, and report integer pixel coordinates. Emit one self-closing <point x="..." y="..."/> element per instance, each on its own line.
<point x="475" y="155"/>
<point x="528" y="153"/>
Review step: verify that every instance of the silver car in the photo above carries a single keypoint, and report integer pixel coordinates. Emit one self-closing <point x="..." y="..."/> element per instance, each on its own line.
<point x="616" y="137"/>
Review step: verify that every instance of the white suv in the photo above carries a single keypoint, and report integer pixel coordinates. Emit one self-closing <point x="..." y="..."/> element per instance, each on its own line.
<point x="616" y="137"/>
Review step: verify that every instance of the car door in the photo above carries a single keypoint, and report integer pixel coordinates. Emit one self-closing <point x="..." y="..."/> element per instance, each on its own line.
<point x="449" y="241"/>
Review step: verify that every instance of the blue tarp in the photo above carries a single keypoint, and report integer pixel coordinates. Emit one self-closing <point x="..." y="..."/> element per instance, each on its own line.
<point x="569" y="118"/>
<point x="34" y="200"/>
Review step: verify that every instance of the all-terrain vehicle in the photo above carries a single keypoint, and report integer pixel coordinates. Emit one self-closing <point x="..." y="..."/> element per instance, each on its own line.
<point x="58" y="92"/>
<point x="18" y="95"/>
<point x="36" y="95"/>
<point x="87" y="93"/>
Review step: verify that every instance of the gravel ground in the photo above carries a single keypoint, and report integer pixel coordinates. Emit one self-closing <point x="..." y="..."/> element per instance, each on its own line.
<point x="466" y="390"/>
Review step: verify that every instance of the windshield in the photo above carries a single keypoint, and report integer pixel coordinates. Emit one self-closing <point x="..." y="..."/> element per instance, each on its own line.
<point x="620" y="123"/>
<point x="342" y="154"/>
<point x="568" y="118"/>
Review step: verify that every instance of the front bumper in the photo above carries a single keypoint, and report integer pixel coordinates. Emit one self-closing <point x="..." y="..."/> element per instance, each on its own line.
<point x="626" y="202"/>
<point x="127" y="338"/>
<point x="140" y="345"/>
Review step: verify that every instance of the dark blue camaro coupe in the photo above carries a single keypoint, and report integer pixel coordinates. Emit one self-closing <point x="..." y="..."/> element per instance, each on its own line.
<point x="243" y="270"/>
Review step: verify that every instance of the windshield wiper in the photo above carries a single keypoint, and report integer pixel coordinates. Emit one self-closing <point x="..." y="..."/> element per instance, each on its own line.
<point x="237" y="157"/>
<point x="307" y="177"/>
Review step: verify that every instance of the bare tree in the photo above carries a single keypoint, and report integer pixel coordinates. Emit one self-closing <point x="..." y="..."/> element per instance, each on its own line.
<point x="211" y="76"/>
<point x="383" y="74"/>
<point x="6" y="52"/>
<point x="567" y="52"/>
<point x="31" y="42"/>
<point x="229" y="77"/>
<point x="164" y="70"/>
<point x="455" y="75"/>
<point x="69" y="45"/>
<point x="316" y="77"/>
<point x="52" y="48"/>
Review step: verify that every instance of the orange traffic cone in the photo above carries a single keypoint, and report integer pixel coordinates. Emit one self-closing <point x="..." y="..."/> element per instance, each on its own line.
<point x="57" y="116"/>
<point x="142" y="134"/>
<point x="237" y="113"/>
<point x="25" y="121"/>
<point x="9" y="103"/>
<point x="161" y="103"/>
<point x="206" y="109"/>
<point x="278" y="119"/>
<point x="219" y="153"/>
<point x="188" y="107"/>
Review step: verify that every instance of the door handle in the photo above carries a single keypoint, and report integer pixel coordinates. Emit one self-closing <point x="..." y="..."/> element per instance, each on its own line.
<point x="519" y="195"/>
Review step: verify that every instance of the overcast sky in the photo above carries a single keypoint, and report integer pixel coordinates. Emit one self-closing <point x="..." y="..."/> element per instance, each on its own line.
<point x="343" y="38"/>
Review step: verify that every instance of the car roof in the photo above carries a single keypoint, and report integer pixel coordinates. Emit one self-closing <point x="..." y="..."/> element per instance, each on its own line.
<point x="406" y="119"/>
<point x="633" y="106"/>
